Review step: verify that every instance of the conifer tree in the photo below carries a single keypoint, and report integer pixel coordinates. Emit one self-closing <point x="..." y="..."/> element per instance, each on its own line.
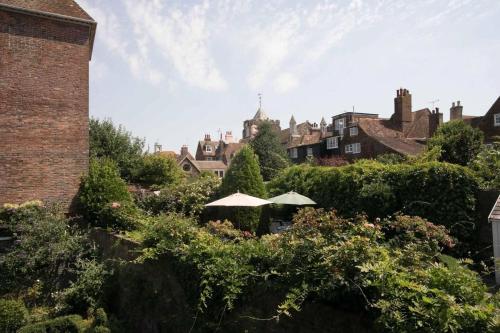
<point x="272" y="156"/>
<point x="244" y="176"/>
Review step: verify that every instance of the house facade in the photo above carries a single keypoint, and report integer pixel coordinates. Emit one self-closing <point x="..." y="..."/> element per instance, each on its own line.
<point x="45" y="49"/>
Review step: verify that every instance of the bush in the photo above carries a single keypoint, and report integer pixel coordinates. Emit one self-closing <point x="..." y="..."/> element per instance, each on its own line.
<point x="187" y="198"/>
<point x="442" y="193"/>
<point x="486" y="165"/>
<point x="244" y="176"/>
<point x="45" y="250"/>
<point x="13" y="315"/>
<point x="158" y="170"/>
<point x="100" y="188"/>
<point x="66" y="324"/>
<point x="459" y="142"/>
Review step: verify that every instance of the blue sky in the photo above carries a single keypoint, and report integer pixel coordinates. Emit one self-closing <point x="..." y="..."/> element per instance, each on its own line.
<point x="171" y="71"/>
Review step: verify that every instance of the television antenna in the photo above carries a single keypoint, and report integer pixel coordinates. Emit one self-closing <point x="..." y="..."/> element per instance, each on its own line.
<point x="433" y="103"/>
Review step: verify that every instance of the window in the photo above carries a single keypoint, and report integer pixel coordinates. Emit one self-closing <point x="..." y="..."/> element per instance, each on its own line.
<point x="209" y="158"/>
<point x="354" y="148"/>
<point x="496" y="120"/>
<point x="309" y="151"/>
<point x="208" y="148"/>
<point x="353" y="131"/>
<point x="293" y="153"/>
<point x="219" y="173"/>
<point x="332" y="143"/>
<point x="340" y="125"/>
<point x="186" y="167"/>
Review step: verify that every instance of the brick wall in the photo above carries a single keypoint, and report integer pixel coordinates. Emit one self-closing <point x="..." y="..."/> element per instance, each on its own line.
<point x="43" y="108"/>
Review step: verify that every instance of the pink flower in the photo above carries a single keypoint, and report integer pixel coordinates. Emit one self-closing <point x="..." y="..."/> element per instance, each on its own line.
<point x="115" y="205"/>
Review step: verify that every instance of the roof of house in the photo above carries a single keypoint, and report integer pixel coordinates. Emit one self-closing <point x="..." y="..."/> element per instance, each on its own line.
<point x="202" y="144"/>
<point x="210" y="165"/>
<point x="69" y="8"/>
<point x="382" y="131"/>
<point x="230" y="149"/>
<point x="495" y="212"/>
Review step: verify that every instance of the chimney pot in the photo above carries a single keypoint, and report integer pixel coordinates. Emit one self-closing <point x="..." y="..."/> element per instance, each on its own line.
<point x="458" y="103"/>
<point x="453" y="104"/>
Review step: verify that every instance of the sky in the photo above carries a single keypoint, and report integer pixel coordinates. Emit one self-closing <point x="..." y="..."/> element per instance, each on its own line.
<point x="173" y="71"/>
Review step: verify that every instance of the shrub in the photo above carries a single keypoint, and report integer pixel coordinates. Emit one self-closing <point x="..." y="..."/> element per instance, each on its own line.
<point x="86" y="291"/>
<point x="44" y="253"/>
<point x="187" y="198"/>
<point x="459" y="142"/>
<point x="66" y="324"/>
<point x="100" y="188"/>
<point x="444" y="194"/>
<point x="244" y="176"/>
<point x="159" y="170"/>
<point x="13" y="315"/>
<point x="391" y="158"/>
<point x="486" y="165"/>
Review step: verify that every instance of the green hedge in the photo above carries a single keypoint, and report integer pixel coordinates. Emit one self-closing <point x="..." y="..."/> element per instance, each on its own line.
<point x="66" y="324"/>
<point x="440" y="192"/>
<point x="13" y="314"/>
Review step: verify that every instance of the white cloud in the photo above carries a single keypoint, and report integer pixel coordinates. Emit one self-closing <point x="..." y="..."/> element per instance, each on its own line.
<point x="285" y="82"/>
<point x="181" y="37"/>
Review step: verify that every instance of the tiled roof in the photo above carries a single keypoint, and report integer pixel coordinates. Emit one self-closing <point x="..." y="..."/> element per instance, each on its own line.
<point x="382" y="131"/>
<point x="213" y="144"/>
<point x="210" y="165"/>
<point x="495" y="212"/>
<point x="420" y="125"/>
<point x="61" y="7"/>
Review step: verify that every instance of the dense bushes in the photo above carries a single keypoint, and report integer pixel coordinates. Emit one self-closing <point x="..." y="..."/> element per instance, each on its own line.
<point x="442" y="193"/>
<point x="13" y="315"/>
<point x="399" y="278"/>
<point x="158" y="170"/>
<point x="187" y="198"/>
<point x="486" y="165"/>
<point x="103" y="197"/>
<point x="66" y="324"/>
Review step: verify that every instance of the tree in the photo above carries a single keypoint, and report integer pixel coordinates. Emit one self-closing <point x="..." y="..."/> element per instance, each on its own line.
<point x="116" y="143"/>
<point x="487" y="165"/>
<point x="100" y="188"/>
<point x="459" y="142"/>
<point x="244" y="176"/>
<point x="158" y="170"/>
<point x="267" y="146"/>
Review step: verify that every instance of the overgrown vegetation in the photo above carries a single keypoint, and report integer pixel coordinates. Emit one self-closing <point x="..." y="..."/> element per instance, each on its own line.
<point x="268" y="148"/>
<point x="458" y="142"/>
<point x="486" y="165"/>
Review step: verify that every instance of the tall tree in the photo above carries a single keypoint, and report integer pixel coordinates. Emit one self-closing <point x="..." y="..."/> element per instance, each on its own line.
<point x="159" y="171"/>
<point x="244" y="176"/>
<point x="117" y="144"/>
<point x="272" y="156"/>
<point x="459" y="142"/>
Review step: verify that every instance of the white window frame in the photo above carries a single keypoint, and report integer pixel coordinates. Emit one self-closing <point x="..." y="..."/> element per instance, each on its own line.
<point x="309" y="152"/>
<point x="294" y="153"/>
<point x="332" y="143"/>
<point x="207" y="148"/>
<point x="496" y="119"/>
<point x="340" y="124"/>
<point x="356" y="148"/>
<point x="348" y="149"/>
<point x="353" y="131"/>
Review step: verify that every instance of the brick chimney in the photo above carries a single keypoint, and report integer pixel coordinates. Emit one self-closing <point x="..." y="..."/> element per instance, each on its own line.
<point x="228" y="138"/>
<point x="184" y="150"/>
<point x="207" y="137"/>
<point x="435" y="120"/>
<point x="402" y="108"/>
<point x="456" y="111"/>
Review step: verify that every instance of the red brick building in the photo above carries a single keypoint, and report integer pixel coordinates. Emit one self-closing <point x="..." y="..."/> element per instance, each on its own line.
<point x="45" y="49"/>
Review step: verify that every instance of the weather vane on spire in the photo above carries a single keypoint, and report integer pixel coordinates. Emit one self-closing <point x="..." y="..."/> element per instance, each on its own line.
<point x="260" y="100"/>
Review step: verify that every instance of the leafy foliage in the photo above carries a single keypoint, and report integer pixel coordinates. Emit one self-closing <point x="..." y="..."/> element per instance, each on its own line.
<point x="68" y="324"/>
<point x="100" y="189"/>
<point x="400" y="280"/>
<point x="117" y="144"/>
<point x="244" y="176"/>
<point x="487" y="166"/>
<point x="391" y="158"/>
<point x="13" y="315"/>
<point x="267" y="146"/>
<point x="459" y="142"/>
<point x="442" y="193"/>
<point x="159" y="170"/>
<point x="187" y="198"/>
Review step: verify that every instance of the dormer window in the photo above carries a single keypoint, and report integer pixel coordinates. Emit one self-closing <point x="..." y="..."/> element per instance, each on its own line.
<point x="496" y="119"/>
<point x="207" y="148"/>
<point x="340" y="124"/>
